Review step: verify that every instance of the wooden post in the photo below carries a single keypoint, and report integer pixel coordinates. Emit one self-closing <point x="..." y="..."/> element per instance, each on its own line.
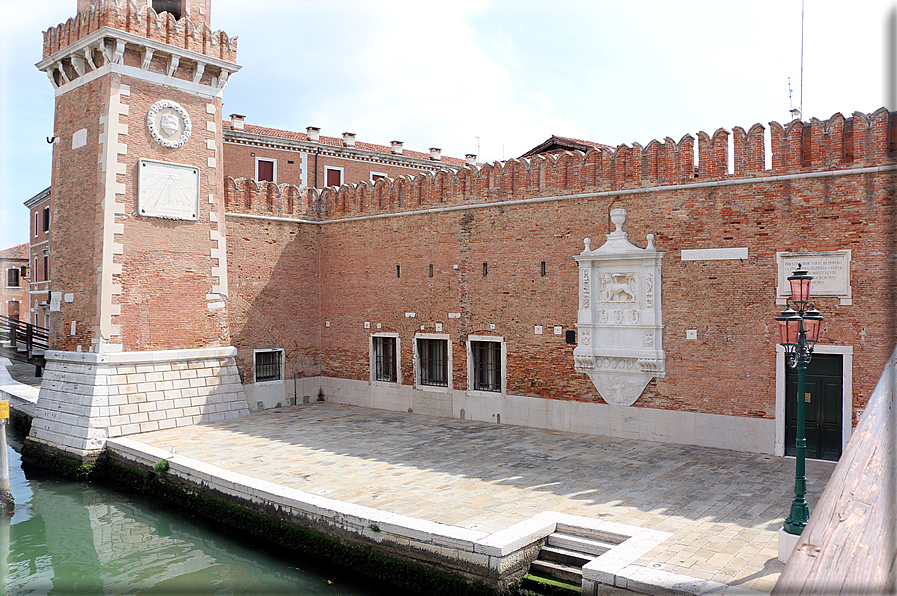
<point x="6" y="500"/>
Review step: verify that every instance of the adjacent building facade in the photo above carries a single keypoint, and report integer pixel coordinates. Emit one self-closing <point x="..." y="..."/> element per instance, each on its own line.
<point x="14" y="288"/>
<point x="219" y="267"/>
<point x="38" y="302"/>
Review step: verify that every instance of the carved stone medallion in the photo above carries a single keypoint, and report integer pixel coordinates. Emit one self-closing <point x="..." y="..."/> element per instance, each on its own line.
<point x="169" y="123"/>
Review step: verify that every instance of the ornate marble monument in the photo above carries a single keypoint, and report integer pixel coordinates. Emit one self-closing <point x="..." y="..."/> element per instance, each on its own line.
<point x="620" y="318"/>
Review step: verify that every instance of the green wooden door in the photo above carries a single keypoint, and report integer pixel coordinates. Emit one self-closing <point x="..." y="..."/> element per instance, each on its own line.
<point x="823" y="402"/>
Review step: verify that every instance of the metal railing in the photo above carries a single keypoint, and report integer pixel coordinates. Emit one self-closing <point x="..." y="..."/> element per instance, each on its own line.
<point x="23" y="341"/>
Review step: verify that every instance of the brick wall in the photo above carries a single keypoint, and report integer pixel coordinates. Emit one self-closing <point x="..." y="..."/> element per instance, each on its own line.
<point x="275" y="293"/>
<point x="166" y="264"/>
<point x="731" y="304"/>
<point x="76" y="189"/>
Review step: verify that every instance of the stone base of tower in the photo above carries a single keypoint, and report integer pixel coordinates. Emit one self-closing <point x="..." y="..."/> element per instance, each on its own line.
<point x="87" y="398"/>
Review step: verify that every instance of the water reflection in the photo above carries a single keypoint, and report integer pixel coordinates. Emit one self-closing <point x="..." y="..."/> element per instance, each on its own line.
<point x="73" y="538"/>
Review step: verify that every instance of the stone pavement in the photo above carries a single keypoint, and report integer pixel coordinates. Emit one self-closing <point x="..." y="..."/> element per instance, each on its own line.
<point x="724" y="508"/>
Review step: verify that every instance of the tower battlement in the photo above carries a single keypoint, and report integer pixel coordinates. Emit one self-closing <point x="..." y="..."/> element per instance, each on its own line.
<point x="187" y="33"/>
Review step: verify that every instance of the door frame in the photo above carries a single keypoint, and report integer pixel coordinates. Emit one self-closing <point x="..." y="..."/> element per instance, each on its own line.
<point x="846" y="353"/>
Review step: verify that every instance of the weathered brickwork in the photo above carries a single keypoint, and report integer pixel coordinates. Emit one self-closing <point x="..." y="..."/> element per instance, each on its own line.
<point x="165" y="258"/>
<point x="191" y="34"/>
<point x="731" y="304"/>
<point x="77" y="193"/>
<point x="275" y="304"/>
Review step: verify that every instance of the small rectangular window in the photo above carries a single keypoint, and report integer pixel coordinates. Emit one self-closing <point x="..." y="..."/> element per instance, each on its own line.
<point x="544" y="272"/>
<point x="485" y="269"/>
<point x="433" y="362"/>
<point x="36" y="226"/>
<point x="378" y="176"/>
<point x="46" y="267"/>
<point x="46" y="219"/>
<point x="385" y="359"/>
<point x="487" y="374"/>
<point x="13" y="310"/>
<point x="398" y="271"/>
<point x="268" y="365"/>
<point x="334" y="177"/>
<point x="266" y="170"/>
<point x="431" y="270"/>
<point x="12" y="278"/>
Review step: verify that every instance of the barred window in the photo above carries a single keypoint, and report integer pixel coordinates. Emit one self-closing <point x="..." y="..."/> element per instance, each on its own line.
<point x="433" y="362"/>
<point x="268" y="365"/>
<point x="487" y="373"/>
<point x="385" y="359"/>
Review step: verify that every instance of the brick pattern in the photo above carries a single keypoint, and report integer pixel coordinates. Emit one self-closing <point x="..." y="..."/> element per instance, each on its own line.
<point x="191" y="34"/>
<point x="84" y="403"/>
<point x="452" y="221"/>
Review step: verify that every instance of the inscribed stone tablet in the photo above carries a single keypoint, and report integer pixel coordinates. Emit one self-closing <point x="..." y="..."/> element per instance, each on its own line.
<point x="167" y="190"/>
<point x="830" y="271"/>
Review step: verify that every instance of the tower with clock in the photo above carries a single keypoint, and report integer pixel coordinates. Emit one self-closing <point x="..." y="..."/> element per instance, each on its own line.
<point x="138" y="310"/>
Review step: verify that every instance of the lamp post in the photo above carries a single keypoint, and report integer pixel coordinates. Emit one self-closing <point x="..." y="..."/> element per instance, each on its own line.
<point x="798" y="333"/>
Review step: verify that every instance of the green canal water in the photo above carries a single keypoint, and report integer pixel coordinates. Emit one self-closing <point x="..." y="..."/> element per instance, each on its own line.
<point x="76" y="538"/>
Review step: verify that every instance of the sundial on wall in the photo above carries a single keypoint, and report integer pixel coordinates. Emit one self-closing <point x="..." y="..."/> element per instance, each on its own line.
<point x="166" y="190"/>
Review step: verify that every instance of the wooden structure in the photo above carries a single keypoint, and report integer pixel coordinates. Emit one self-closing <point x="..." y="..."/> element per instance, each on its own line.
<point x="850" y="545"/>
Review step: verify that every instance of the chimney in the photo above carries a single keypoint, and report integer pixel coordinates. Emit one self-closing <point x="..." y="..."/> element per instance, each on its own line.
<point x="471" y="159"/>
<point x="435" y="153"/>
<point x="237" y="121"/>
<point x="397" y="147"/>
<point x="349" y="139"/>
<point x="313" y="133"/>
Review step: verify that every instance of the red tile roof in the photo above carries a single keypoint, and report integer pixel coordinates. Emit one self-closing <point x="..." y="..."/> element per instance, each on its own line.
<point x="337" y="142"/>
<point x="556" y="144"/>
<point x="19" y="251"/>
<point x="584" y="142"/>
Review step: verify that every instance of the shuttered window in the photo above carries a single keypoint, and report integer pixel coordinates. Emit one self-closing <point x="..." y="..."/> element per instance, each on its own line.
<point x="334" y="177"/>
<point x="266" y="170"/>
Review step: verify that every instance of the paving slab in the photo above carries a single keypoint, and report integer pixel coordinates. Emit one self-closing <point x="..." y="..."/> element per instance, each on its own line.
<point x="724" y="508"/>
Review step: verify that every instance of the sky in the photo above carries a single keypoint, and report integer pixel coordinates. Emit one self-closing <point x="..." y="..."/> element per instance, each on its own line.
<point x="489" y="77"/>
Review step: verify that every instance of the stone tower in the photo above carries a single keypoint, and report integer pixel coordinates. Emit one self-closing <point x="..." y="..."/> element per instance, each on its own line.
<point x="138" y="325"/>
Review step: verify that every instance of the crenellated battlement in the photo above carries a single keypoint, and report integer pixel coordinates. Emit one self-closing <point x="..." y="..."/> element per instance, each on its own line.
<point x="249" y="197"/>
<point x="125" y="15"/>
<point x="798" y="147"/>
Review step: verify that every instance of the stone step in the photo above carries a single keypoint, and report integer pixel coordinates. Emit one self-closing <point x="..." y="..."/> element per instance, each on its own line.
<point x="557" y="571"/>
<point x="564" y="556"/>
<point x="601" y="535"/>
<point x="580" y="544"/>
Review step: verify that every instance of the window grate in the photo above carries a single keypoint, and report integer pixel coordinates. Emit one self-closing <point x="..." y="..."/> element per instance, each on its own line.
<point x="385" y="359"/>
<point x="433" y="355"/>
<point x="486" y="365"/>
<point x="267" y="366"/>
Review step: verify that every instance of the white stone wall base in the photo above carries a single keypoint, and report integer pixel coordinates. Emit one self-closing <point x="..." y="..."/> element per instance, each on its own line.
<point x="86" y="398"/>
<point x="754" y="435"/>
<point x="787" y="542"/>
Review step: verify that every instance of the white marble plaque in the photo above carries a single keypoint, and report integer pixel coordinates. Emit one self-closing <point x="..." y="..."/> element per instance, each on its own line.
<point x="168" y="190"/>
<point x="830" y="271"/>
<point x="620" y="320"/>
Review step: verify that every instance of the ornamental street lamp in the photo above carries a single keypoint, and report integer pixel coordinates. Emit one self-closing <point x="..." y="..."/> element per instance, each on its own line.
<point x="798" y="333"/>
